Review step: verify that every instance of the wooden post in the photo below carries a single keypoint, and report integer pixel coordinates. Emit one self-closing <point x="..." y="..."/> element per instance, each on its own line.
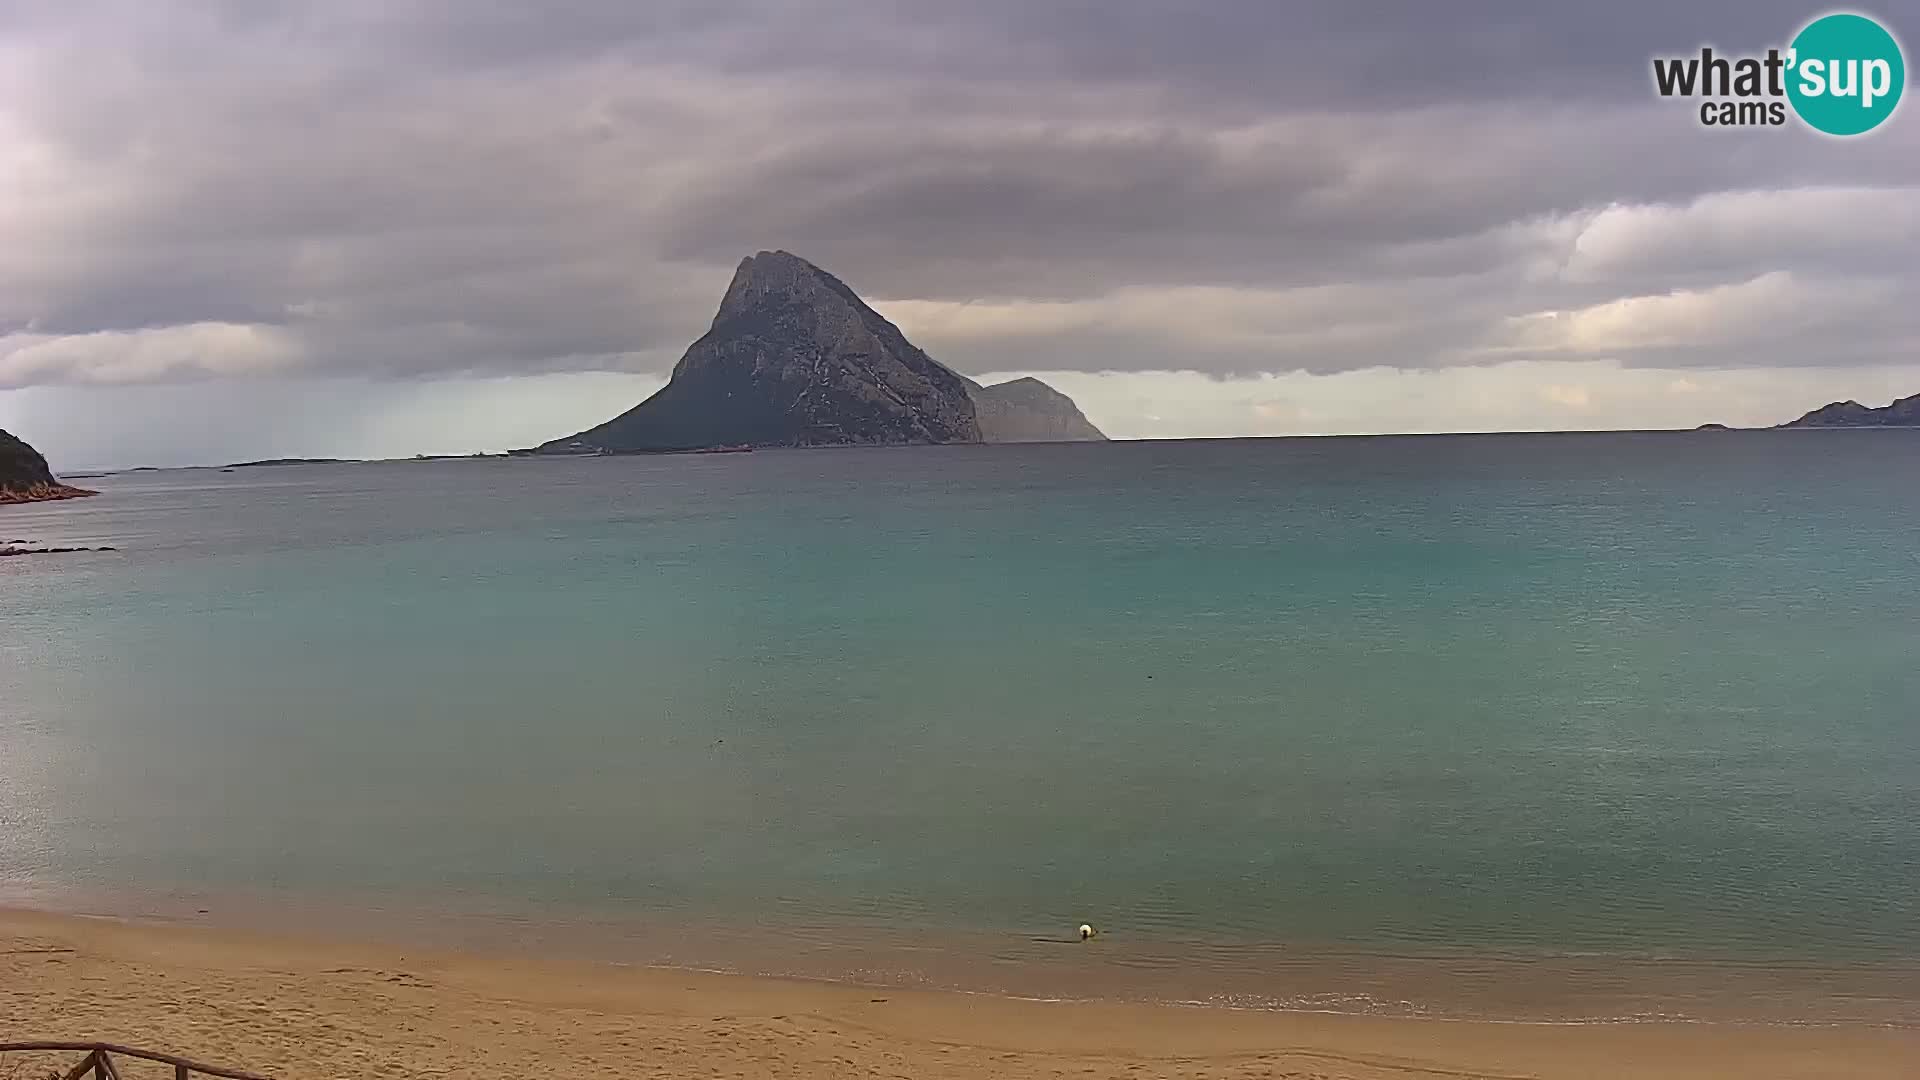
<point x="179" y="1072"/>
<point x="90" y="1063"/>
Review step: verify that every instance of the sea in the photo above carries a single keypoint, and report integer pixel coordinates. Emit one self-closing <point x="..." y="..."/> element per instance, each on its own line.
<point x="1582" y="727"/>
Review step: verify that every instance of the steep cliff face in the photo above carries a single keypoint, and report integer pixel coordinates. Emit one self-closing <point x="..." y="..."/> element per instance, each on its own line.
<point x="1902" y="413"/>
<point x="24" y="476"/>
<point x="1028" y="410"/>
<point x="793" y="358"/>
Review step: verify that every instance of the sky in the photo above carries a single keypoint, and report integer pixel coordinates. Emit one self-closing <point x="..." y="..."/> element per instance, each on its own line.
<point x="254" y="228"/>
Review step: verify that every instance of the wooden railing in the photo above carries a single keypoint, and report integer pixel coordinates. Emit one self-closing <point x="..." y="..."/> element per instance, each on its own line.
<point x="99" y="1061"/>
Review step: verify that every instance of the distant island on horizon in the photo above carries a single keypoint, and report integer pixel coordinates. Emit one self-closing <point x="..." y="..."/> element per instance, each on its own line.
<point x="1902" y="413"/>
<point x="795" y="358"/>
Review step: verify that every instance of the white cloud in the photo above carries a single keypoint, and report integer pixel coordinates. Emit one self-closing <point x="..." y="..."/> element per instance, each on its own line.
<point x="171" y="352"/>
<point x="1796" y="227"/>
<point x="1572" y="396"/>
<point x="1774" y="309"/>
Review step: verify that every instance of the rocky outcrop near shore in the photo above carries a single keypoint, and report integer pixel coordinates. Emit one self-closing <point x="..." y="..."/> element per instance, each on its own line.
<point x="25" y="477"/>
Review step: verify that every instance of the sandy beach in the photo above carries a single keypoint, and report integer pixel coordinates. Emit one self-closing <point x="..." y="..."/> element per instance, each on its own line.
<point x="295" y="1007"/>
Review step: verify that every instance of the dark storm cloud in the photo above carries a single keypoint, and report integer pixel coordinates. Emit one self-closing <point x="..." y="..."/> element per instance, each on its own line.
<point x="1336" y="55"/>
<point x="1325" y="54"/>
<point x="400" y="188"/>
<point x="1070" y="212"/>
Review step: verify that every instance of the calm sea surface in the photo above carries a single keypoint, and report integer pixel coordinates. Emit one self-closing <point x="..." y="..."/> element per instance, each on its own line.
<point x="1357" y="722"/>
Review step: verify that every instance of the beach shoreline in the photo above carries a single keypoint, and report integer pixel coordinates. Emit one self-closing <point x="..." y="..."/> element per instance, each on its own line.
<point x="1126" y="964"/>
<point x="295" y="1006"/>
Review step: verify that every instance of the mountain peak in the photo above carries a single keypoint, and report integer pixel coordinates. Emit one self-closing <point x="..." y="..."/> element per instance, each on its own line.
<point x="765" y="275"/>
<point x="793" y="358"/>
<point x="767" y="269"/>
<point x="778" y="258"/>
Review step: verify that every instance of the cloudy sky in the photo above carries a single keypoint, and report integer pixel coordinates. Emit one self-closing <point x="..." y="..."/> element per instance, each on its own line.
<point x="378" y="227"/>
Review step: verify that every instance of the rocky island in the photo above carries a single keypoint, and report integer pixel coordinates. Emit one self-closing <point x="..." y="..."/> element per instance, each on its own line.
<point x="25" y="477"/>
<point x="1028" y="410"/>
<point x="795" y="358"/>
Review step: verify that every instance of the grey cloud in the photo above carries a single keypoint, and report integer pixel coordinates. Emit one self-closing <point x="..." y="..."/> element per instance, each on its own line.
<point x="417" y="187"/>
<point x="1397" y="53"/>
<point x="1373" y="198"/>
<point x="1320" y="54"/>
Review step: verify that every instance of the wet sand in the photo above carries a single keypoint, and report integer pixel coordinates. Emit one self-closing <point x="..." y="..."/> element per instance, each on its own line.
<point x="300" y="1007"/>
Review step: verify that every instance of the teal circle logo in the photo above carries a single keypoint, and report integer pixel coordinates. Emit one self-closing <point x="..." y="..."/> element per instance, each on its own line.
<point x="1845" y="74"/>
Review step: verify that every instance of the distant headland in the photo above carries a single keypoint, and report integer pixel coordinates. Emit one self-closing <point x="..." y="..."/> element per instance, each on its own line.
<point x="1904" y="412"/>
<point x="795" y="358"/>
<point x="268" y="463"/>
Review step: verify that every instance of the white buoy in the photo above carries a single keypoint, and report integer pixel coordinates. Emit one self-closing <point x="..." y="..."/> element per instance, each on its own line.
<point x="1087" y="931"/>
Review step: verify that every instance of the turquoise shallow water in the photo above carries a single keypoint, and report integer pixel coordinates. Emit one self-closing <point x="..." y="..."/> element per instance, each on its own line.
<point x="1634" y="696"/>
